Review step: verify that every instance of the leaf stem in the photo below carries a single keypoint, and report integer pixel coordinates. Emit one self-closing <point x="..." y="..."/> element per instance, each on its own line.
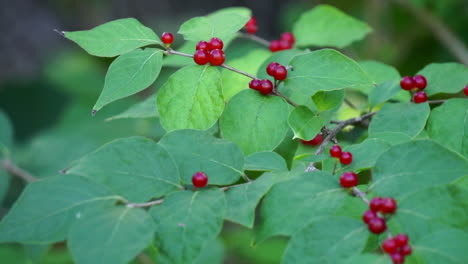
<point x="441" y="101"/>
<point x="360" y="194"/>
<point x="14" y="170"/>
<point x="255" y="38"/>
<point x="277" y="93"/>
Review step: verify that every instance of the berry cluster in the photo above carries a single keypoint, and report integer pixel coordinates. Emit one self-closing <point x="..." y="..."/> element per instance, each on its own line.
<point x="314" y="142"/>
<point x="344" y="157"/>
<point x="199" y="179"/>
<point x="285" y="42"/>
<point x="167" y="38"/>
<point x="416" y="83"/>
<point x="379" y="206"/>
<point x="251" y="26"/>
<point x="211" y="51"/>
<point x="275" y="70"/>
<point x="397" y="247"/>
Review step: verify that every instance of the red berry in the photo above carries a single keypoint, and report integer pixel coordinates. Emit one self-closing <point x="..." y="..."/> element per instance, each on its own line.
<point x="203" y="45"/>
<point x="335" y="151"/>
<point x="252" y="21"/>
<point x="314" y="142"/>
<point x="271" y="68"/>
<point x="167" y="38"/>
<point x="288" y="36"/>
<point x="375" y="204"/>
<point x="465" y="90"/>
<point x="280" y="73"/>
<point x="201" y="57"/>
<point x="388" y="205"/>
<point x="216" y="43"/>
<point x="217" y="57"/>
<point x="406" y="250"/>
<point x="420" y="82"/>
<point x="266" y="87"/>
<point x="420" y="97"/>
<point x="368" y="215"/>
<point x="401" y="240"/>
<point x="274" y="45"/>
<point x="285" y="45"/>
<point x="251" y="29"/>
<point x="377" y="225"/>
<point x="397" y="258"/>
<point x="389" y="246"/>
<point x="407" y="83"/>
<point x="348" y="179"/>
<point x="346" y="158"/>
<point x="254" y="84"/>
<point x="199" y="179"/>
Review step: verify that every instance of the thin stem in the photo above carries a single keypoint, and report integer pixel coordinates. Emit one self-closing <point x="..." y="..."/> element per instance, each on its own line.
<point x="350" y="104"/>
<point x="360" y="194"/>
<point x="225" y="188"/>
<point x="171" y="51"/>
<point x="147" y="204"/>
<point x="246" y="178"/>
<point x="14" y="170"/>
<point x="334" y="166"/>
<point x="238" y="71"/>
<point x="441" y="101"/>
<point x="277" y="93"/>
<point x="255" y="38"/>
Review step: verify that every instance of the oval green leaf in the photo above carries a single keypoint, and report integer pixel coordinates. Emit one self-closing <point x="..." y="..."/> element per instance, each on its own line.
<point x="304" y="123"/>
<point x="446" y="78"/>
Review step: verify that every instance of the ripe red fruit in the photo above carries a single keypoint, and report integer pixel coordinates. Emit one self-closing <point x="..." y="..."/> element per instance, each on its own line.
<point x="274" y="45"/>
<point x="217" y="57"/>
<point x="420" y="97"/>
<point x="397" y="258"/>
<point x="251" y="26"/>
<point x="388" y="205"/>
<point x="465" y="90"/>
<point x="335" y="151"/>
<point x="375" y="204"/>
<point x="201" y="57"/>
<point x="254" y="84"/>
<point x="406" y="250"/>
<point x="288" y="36"/>
<point x="252" y="21"/>
<point x="271" y="68"/>
<point x="167" y="38"/>
<point x="377" y="225"/>
<point x="368" y="215"/>
<point x="199" y="179"/>
<point x="203" y="45"/>
<point x="389" y="246"/>
<point x="348" y="179"/>
<point x="407" y="83"/>
<point x="280" y="73"/>
<point x="266" y="87"/>
<point x="285" y="45"/>
<point x="314" y="142"/>
<point x="420" y="82"/>
<point x="216" y="43"/>
<point x="346" y="158"/>
<point x="401" y="240"/>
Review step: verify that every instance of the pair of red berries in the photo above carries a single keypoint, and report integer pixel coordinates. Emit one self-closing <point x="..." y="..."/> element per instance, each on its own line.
<point x="277" y="71"/>
<point x="345" y="157"/>
<point x="397" y="247"/>
<point x="417" y="83"/>
<point x="251" y="26"/>
<point x="314" y="142"/>
<point x="211" y="52"/>
<point x="199" y="179"/>
<point x="285" y="42"/>
<point x="377" y="224"/>
<point x="263" y="86"/>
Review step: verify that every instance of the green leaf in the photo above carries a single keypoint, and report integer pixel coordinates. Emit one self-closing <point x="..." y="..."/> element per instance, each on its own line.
<point x="46" y="208"/>
<point x="327" y="70"/>
<point x="365" y="154"/>
<point x="327" y="240"/>
<point x="110" y="235"/>
<point x="393" y="138"/>
<point x="129" y="74"/>
<point x="4" y="183"/>
<point x="255" y="122"/>
<point x="243" y="199"/>
<point x="327" y="26"/>
<point x="446" y="78"/>
<point x="369" y="259"/>
<point x="380" y="72"/>
<point x="114" y="38"/>
<point x="386" y="91"/>
<point x="6" y="133"/>
<point x="448" y="125"/>
<point x="292" y="204"/>
<point x="264" y="161"/>
<point x="196" y="151"/>
<point x="234" y="82"/>
<point x="221" y="24"/>
<point x="136" y="168"/>
<point x="282" y="57"/>
<point x="191" y="98"/>
<point x="305" y="124"/>
<point x="185" y="222"/>
<point x="414" y="165"/>
<point x="328" y="100"/>
<point x="144" y="109"/>
<point x="212" y="253"/>
<point x="444" y="246"/>
<point x="406" y="118"/>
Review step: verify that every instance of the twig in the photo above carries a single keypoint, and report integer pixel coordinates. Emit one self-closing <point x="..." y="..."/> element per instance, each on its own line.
<point x="360" y="194"/>
<point x="238" y="71"/>
<point x="255" y="38"/>
<point x="14" y="170"/>
<point x="277" y="93"/>
<point x="441" y="101"/>
<point x="350" y="104"/>
<point x="147" y="204"/>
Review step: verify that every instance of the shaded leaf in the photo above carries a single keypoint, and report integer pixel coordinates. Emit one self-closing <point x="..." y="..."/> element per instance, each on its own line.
<point x="443" y="246"/>
<point x="304" y="123"/>
<point x="144" y="109"/>
<point x="365" y="154"/>
<point x="264" y="161"/>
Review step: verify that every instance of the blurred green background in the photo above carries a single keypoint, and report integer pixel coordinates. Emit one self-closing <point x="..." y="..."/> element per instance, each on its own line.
<point x="48" y="85"/>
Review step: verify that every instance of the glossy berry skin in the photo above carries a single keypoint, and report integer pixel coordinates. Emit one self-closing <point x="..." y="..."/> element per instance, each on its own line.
<point x="288" y="36"/>
<point x="388" y="205"/>
<point x="251" y="26"/>
<point x="406" y="250"/>
<point x="314" y="142"/>
<point x="407" y="83"/>
<point x="254" y="84"/>
<point x="348" y="180"/>
<point x="199" y="179"/>
<point x="346" y="158"/>
<point x="420" y="82"/>
<point x="167" y="38"/>
<point x="217" y="57"/>
<point x="335" y="151"/>
<point x="397" y="258"/>
<point x="201" y="57"/>
<point x="377" y="225"/>
<point x="216" y="43"/>
<point x="420" y="97"/>
<point x="271" y="68"/>
<point x="203" y="45"/>
<point x="389" y="246"/>
<point x="285" y="45"/>
<point x="401" y="240"/>
<point x="368" y="215"/>
<point x="465" y="90"/>
<point x="375" y="204"/>
<point x="280" y="73"/>
<point x="266" y="87"/>
<point x="274" y="45"/>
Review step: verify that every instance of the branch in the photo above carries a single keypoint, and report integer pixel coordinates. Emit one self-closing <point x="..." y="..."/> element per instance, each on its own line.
<point x="360" y="194"/>
<point x="255" y="38"/>
<point x="277" y="93"/>
<point x="14" y="170"/>
<point x="441" y="101"/>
